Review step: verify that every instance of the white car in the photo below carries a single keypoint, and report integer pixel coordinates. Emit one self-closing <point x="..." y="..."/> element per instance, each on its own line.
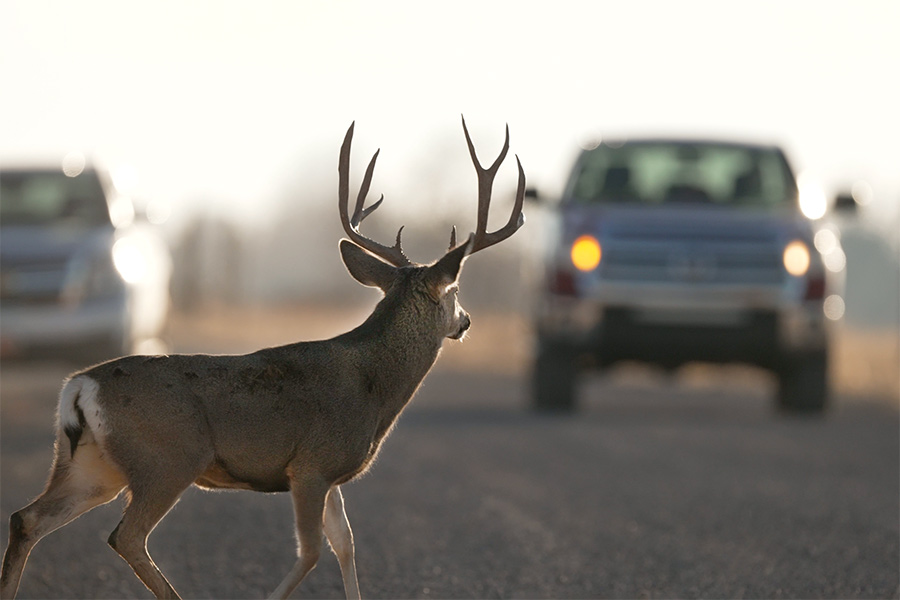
<point x="78" y="277"/>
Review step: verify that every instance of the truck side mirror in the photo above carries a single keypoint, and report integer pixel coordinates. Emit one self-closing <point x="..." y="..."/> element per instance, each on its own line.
<point x="843" y="202"/>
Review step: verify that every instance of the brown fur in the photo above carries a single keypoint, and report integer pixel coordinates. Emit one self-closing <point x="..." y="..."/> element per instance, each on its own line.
<point x="262" y="421"/>
<point x="303" y="418"/>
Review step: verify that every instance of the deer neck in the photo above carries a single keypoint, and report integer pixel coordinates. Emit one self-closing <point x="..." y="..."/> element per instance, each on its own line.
<point x="398" y="347"/>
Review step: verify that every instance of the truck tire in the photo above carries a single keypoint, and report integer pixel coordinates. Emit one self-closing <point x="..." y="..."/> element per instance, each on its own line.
<point x="803" y="385"/>
<point x="554" y="378"/>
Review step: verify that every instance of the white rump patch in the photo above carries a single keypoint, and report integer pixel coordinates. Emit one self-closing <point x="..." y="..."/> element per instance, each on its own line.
<point x="85" y="391"/>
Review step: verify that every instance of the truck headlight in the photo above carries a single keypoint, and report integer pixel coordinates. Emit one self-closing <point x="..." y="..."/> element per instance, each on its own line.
<point x="586" y="253"/>
<point x="796" y="258"/>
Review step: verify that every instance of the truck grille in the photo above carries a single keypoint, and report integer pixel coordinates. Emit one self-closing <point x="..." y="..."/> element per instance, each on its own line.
<point x="701" y="263"/>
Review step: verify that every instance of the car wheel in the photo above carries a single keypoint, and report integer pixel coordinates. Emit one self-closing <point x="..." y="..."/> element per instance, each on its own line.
<point x="803" y="385"/>
<point x="554" y="378"/>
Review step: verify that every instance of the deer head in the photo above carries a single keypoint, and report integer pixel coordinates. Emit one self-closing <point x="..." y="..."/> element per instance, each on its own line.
<point x="374" y="264"/>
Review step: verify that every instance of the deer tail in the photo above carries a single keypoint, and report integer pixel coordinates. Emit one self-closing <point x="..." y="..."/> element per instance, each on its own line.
<point x="78" y="394"/>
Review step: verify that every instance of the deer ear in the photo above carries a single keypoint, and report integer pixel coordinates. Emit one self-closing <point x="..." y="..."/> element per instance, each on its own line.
<point x="445" y="272"/>
<point x="365" y="268"/>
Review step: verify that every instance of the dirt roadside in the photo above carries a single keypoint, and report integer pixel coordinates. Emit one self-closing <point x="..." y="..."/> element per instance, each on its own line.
<point x="866" y="364"/>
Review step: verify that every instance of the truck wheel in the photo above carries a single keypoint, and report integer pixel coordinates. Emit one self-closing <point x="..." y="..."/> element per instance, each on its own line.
<point x="803" y="385"/>
<point x="555" y="375"/>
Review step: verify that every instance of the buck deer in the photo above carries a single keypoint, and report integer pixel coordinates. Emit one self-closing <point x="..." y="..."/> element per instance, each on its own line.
<point x="304" y="418"/>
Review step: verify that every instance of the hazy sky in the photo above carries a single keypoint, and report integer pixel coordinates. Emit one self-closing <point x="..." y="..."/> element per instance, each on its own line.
<point x="231" y="102"/>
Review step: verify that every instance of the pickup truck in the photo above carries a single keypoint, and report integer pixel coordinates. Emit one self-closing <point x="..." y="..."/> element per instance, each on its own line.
<point x="676" y="250"/>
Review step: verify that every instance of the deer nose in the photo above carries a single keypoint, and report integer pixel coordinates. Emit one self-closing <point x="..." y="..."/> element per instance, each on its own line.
<point x="464" y="323"/>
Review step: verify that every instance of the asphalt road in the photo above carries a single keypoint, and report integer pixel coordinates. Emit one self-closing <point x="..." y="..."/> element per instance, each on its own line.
<point x="654" y="490"/>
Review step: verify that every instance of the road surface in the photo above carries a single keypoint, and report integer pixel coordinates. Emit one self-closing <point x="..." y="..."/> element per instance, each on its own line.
<point x="657" y="489"/>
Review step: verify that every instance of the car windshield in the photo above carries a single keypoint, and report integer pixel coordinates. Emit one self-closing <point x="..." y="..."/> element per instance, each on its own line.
<point x="653" y="173"/>
<point x="37" y="197"/>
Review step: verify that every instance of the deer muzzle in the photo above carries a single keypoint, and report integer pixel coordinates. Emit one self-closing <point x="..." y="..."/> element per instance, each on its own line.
<point x="464" y="323"/>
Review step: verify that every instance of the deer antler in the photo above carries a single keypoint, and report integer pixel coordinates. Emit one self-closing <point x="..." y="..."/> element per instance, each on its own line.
<point x="483" y="239"/>
<point x="392" y="254"/>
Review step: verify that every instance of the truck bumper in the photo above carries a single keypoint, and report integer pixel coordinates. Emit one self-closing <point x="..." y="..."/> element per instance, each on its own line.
<point x="673" y="329"/>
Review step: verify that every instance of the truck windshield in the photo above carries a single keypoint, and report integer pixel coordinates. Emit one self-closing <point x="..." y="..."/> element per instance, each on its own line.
<point x="44" y="197"/>
<point x="666" y="172"/>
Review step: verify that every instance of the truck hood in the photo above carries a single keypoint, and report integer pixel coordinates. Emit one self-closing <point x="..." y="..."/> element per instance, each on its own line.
<point x="684" y="224"/>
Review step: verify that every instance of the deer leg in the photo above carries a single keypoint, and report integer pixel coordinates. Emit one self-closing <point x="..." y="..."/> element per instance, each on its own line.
<point x="75" y="487"/>
<point x="340" y="536"/>
<point x="151" y="499"/>
<point x="308" y="494"/>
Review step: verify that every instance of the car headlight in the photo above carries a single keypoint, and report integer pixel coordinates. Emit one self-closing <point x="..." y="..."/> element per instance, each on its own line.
<point x="586" y="253"/>
<point x="796" y="258"/>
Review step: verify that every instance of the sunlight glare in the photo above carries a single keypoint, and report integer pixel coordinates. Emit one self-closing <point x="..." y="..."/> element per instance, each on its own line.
<point x="73" y="164"/>
<point x="835" y="261"/>
<point x="834" y="307"/>
<point x="812" y="197"/>
<point x="124" y="178"/>
<point x="826" y="241"/>
<point x="158" y="211"/>
<point x="862" y="192"/>
<point x="129" y="260"/>
<point x="121" y="211"/>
